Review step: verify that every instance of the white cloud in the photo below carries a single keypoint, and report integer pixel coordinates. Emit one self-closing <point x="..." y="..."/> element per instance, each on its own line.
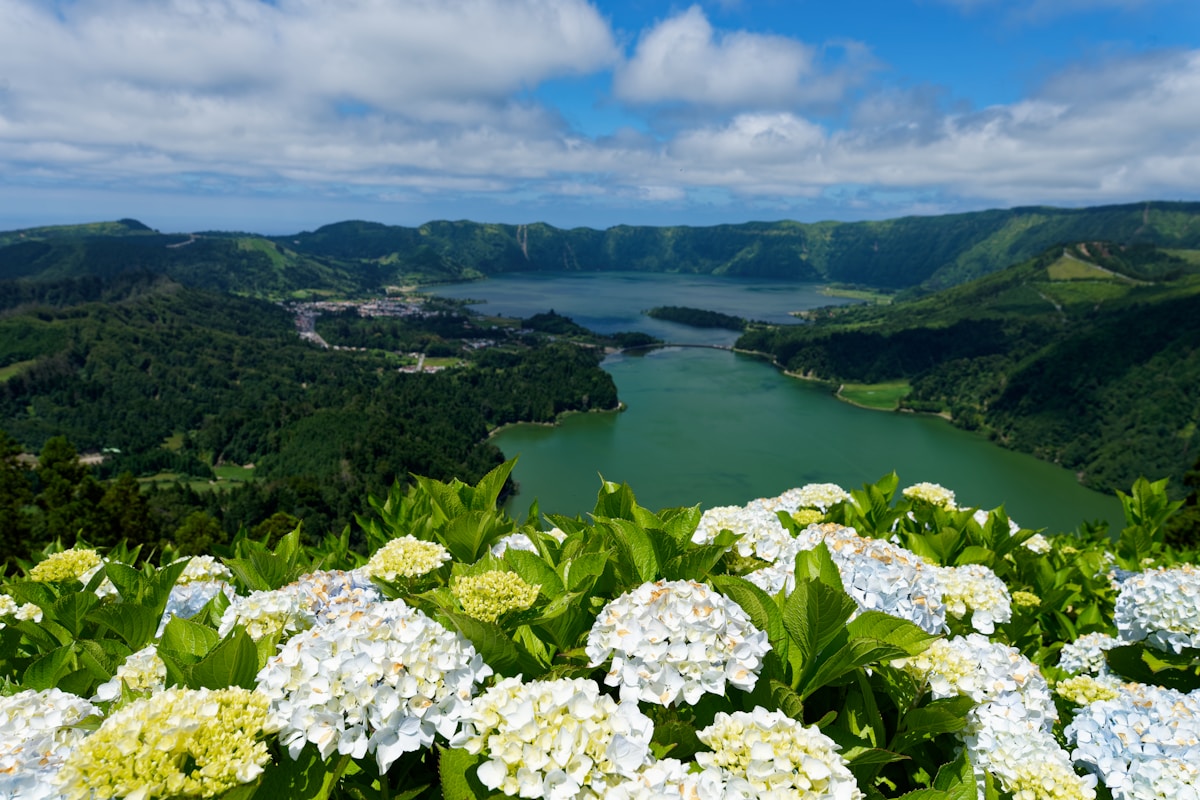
<point x="683" y="59"/>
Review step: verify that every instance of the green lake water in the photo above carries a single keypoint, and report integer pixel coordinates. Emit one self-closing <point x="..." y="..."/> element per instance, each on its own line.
<point x="718" y="428"/>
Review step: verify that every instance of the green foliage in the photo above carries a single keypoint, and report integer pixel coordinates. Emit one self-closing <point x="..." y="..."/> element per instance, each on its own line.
<point x="697" y="317"/>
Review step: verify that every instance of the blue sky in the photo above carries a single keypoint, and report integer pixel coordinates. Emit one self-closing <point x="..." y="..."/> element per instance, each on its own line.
<point x="282" y="116"/>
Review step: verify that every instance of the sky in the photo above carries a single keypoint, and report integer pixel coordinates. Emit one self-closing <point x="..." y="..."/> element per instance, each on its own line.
<point x="277" y="116"/>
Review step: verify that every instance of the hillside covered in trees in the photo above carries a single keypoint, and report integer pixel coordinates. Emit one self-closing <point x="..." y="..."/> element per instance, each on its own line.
<point x="1087" y="356"/>
<point x="917" y="253"/>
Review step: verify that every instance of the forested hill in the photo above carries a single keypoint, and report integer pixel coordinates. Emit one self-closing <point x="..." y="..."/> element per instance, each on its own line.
<point x="1087" y="356"/>
<point x="927" y="252"/>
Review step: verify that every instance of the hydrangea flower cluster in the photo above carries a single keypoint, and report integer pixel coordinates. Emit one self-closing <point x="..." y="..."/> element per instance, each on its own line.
<point x="314" y="598"/>
<point x="881" y="576"/>
<point x="186" y="600"/>
<point x="1143" y="744"/>
<point x="142" y="672"/>
<point x="1009" y="732"/>
<point x="670" y="779"/>
<point x="763" y="535"/>
<point x="1026" y="599"/>
<point x="382" y="681"/>
<point x="1161" y="607"/>
<point x="676" y="640"/>
<point x="1084" y="689"/>
<point x="66" y="565"/>
<point x="974" y="588"/>
<point x="521" y="541"/>
<point x="405" y="557"/>
<point x="20" y="612"/>
<point x="555" y="739"/>
<point x="204" y="568"/>
<point x="932" y="493"/>
<point x="778" y="756"/>
<point x="1086" y="654"/>
<point x="490" y="595"/>
<point x="37" y="734"/>
<point x="176" y="743"/>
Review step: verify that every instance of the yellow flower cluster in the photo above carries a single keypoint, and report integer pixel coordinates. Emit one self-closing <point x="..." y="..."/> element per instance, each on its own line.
<point x="1026" y="599"/>
<point x="932" y="493"/>
<point x="406" y="557"/>
<point x="807" y="516"/>
<point x="943" y="666"/>
<point x="488" y="595"/>
<point x="1048" y="779"/>
<point x="67" y="565"/>
<point x="178" y="743"/>
<point x="1084" y="689"/>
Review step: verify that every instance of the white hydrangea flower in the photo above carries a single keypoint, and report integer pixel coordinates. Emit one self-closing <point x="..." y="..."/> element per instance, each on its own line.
<point x="1023" y="755"/>
<point x="975" y="589"/>
<point x="676" y="640"/>
<point x="1160" y="607"/>
<point x="266" y="613"/>
<point x="204" y="568"/>
<point x="882" y="576"/>
<point x="1086" y="654"/>
<point x="8" y="606"/>
<point x="521" y="541"/>
<point x="1144" y="744"/>
<point x="142" y="672"/>
<point x="384" y="680"/>
<point x="778" y="756"/>
<point x="314" y="598"/>
<point x="671" y="779"/>
<point x="187" y="599"/>
<point x="29" y="612"/>
<point x="37" y="733"/>
<point x="763" y="535"/>
<point x="932" y="493"/>
<point x="555" y="739"/>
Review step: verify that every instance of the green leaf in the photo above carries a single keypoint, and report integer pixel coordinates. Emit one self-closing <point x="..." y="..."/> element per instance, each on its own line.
<point x="487" y="491"/>
<point x="131" y="584"/>
<point x="852" y="655"/>
<point x="637" y="546"/>
<point x="233" y="662"/>
<point x="187" y="637"/>
<point x="695" y="563"/>
<point x="457" y="770"/>
<point x="814" y="614"/>
<point x="499" y="650"/>
<point x="534" y="570"/>
<point x="581" y="572"/>
<point x="940" y="716"/>
<point x="307" y="777"/>
<point x="818" y="565"/>
<point x="957" y="779"/>
<point x="787" y="700"/>
<point x="71" y="610"/>
<point x="45" y="671"/>
<point x="614" y="501"/>
<point x="681" y="523"/>
<point x="892" y="630"/>
<point x="134" y="624"/>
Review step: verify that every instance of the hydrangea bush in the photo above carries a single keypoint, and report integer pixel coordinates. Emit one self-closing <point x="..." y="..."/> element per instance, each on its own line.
<point x="822" y="644"/>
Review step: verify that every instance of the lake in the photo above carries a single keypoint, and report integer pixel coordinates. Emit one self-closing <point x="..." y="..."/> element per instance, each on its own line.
<point x="719" y="428"/>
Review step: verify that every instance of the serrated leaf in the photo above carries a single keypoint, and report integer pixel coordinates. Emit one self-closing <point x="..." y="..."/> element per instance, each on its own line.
<point x="534" y="570"/>
<point x="681" y="523"/>
<point x="892" y="630"/>
<point x="45" y="671"/>
<point x="614" y="501"/>
<point x="498" y="649"/>
<point x="854" y="654"/>
<point x="187" y="637"/>
<point x="637" y="546"/>
<point x="817" y="564"/>
<point x="581" y="572"/>
<point x="233" y="662"/>
<point x="814" y="614"/>
<point x="695" y="563"/>
<point x="457" y="770"/>
<point x="134" y="624"/>
<point x="130" y="583"/>
<point x="786" y="700"/>
<point x="71" y="610"/>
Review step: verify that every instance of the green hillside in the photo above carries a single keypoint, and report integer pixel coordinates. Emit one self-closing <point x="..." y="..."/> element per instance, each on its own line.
<point x="915" y="253"/>
<point x="1087" y="356"/>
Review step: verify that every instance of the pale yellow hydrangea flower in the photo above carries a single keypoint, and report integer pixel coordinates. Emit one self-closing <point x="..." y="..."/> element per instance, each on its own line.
<point x="406" y="557"/>
<point x="1084" y="689"/>
<point x="489" y="595"/>
<point x="178" y="743"/>
<point x="1026" y="599"/>
<point x="932" y="493"/>
<point x="807" y="516"/>
<point x="68" y="565"/>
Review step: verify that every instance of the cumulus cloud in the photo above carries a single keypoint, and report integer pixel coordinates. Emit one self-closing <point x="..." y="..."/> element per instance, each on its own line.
<point x="683" y="59"/>
<point x="396" y="99"/>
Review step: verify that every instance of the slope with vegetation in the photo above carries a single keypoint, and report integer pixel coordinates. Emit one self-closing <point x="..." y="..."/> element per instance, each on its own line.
<point x="920" y="253"/>
<point x="1088" y="356"/>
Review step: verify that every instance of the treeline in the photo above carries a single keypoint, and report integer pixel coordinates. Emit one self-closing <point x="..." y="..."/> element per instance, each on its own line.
<point x="1098" y="375"/>
<point x="183" y="381"/>
<point x="697" y="317"/>
<point x="919" y="254"/>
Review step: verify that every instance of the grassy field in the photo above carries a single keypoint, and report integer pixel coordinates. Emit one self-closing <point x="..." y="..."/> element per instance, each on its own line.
<point x="12" y="370"/>
<point x="881" y="396"/>
<point x="866" y="295"/>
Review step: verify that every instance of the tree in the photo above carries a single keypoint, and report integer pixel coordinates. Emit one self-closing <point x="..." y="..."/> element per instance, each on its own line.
<point x="16" y="493"/>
